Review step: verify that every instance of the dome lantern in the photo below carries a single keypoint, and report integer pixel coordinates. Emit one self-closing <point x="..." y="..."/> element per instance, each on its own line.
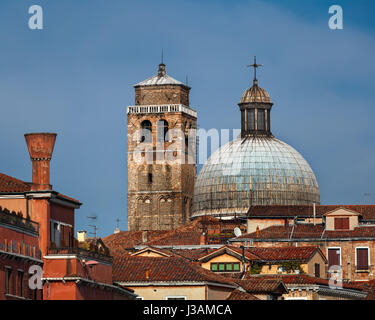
<point x="255" y="106"/>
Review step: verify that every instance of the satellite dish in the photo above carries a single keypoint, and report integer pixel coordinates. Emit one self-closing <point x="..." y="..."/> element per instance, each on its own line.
<point x="237" y="232"/>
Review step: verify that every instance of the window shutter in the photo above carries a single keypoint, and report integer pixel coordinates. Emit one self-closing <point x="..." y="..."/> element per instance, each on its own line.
<point x="362" y="259"/>
<point x="333" y="257"/>
<point x="341" y="223"/>
<point x="345" y="223"/>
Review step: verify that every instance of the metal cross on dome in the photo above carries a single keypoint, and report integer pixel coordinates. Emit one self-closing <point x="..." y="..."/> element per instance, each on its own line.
<point x="255" y="66"/>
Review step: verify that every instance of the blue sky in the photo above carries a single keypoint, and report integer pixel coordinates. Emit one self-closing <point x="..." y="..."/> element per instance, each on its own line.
<point x="75" y="78"/>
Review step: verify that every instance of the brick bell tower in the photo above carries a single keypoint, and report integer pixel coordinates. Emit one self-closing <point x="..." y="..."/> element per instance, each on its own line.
<point x="161" y="154"/>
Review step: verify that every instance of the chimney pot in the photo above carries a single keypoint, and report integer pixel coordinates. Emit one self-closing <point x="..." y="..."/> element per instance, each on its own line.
<point x="81" y="236"/>
<point x="40" y="146"/>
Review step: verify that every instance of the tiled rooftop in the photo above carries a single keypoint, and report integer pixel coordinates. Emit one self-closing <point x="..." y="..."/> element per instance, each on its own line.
<point x="367" y="211"/>
<point x="145" y="269"/>
<point x="308" y="231"/>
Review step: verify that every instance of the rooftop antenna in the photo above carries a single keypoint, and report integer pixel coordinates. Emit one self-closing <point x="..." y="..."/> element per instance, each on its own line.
<point x="93" y="225"/>
<point x="368" y="196"/>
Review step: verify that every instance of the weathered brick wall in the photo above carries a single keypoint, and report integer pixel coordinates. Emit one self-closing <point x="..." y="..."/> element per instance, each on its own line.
<point x="165" y="202"/>
<point x="167" y="94"/>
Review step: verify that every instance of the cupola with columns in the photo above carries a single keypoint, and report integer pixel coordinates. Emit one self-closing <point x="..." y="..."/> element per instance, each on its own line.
<point x="255" y="106"/>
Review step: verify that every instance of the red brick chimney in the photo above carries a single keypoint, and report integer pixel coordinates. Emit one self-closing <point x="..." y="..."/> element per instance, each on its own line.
<point x="40" y="147"/>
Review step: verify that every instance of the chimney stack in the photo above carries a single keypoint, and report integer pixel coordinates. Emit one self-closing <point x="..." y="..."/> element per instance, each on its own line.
<point x="40" y="147"/>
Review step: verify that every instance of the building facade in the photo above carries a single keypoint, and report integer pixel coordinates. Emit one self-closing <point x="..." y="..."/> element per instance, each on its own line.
<point x="37" y="228"/>
<point x="19" y="252"/>
<point x="161" y="154"/>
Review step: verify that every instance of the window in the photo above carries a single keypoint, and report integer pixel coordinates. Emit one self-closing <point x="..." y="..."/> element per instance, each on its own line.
<point x="362" y="259"/>
<point x="8" y="280"/>
<point x="55" y="233"/>
<point x="341" y="223"/>
<point x="150" y="178"/>
<point x="146" y="131"/>
<point x="162" y="131"/>
<point x="317" y="270"/>
<point x="261" y="120"/>
<point x="251" y="119"/>
<point x="20" y="283"/>
<point x="334" y="257"/>
<point x="225" y="267"/>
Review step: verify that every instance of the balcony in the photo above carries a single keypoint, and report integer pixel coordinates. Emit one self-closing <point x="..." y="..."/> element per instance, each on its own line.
<point x="88" y="254"/>
<point x="16" y="220"/>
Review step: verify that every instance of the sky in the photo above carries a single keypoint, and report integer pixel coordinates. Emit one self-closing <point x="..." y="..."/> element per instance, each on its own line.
<point x="75" y="77"/>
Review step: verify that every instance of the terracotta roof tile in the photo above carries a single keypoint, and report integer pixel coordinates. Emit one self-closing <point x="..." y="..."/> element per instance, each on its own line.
<point x="284" y="253"/>
<point x="190" y="234"/>
<point x="308" y="231"/>
<point x="239" y="295"/>
<point x="301" y="279"/>
<point x="129" y="239"/>
<point x="146" y="269"/>
<point x="262" y="285"/>
<point x="9" y="184"/>
<point x="367" y="211"/>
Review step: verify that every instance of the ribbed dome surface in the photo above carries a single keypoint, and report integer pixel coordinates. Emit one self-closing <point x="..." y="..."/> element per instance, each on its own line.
<point x="255" y="94"/>
<point x="253" y="171"/>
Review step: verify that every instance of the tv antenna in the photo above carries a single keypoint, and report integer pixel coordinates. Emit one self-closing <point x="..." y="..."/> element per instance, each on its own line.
<point x="94" y="229"/>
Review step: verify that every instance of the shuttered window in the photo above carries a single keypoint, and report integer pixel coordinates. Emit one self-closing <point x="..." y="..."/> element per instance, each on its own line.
<point x="333" y="257"/>
<point x="362" y="259"/>
<point x="225" y="267"/>
<point x="341" y="223"/>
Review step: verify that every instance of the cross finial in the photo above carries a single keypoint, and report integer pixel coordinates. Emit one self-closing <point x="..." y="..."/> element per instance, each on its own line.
<point x="255" y="66"/>
<point x="162" y="71"/>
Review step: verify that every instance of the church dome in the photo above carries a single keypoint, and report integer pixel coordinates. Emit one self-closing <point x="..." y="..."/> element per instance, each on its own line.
<point x="253" y="171"/>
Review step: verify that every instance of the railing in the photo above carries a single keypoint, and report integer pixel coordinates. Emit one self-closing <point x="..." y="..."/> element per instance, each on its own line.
<point x="162" y="109"/>
<point x="13" y="219"/>
<point x="81" y="252"/>
<point x="20" y="247"/>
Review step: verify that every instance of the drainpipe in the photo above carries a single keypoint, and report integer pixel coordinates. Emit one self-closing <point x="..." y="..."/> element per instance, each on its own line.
<point x="314" y="212"/>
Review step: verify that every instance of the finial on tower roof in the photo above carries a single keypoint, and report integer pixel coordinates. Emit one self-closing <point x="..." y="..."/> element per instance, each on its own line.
<point x="255" y="66"/>
<point x="162" y="72"/>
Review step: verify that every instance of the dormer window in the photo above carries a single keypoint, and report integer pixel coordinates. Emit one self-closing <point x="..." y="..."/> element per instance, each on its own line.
<point x="341" y="223"/>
